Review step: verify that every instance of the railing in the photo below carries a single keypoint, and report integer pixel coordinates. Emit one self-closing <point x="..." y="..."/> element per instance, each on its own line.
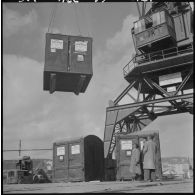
<point x="129" y="66"/>
<point x="159" y="55"/>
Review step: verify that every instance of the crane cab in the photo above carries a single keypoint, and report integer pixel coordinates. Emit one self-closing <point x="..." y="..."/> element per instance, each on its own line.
<point x="163" y="40"/>
<point x="154" y="32"/>
<point x="68" y="63"/>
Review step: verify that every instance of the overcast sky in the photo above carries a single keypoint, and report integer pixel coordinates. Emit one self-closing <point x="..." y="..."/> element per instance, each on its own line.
<point x="39" y="118"/>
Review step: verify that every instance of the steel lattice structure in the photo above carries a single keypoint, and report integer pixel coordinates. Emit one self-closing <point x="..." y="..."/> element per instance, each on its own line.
<point x="150" y="98"/>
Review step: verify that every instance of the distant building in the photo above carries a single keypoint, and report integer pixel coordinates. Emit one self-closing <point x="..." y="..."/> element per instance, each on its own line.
<point x="177" y="167"/>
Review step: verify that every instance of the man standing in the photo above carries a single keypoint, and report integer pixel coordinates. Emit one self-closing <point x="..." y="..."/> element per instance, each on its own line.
<point x="134" y="168"/>
<point x="149" y="152"/>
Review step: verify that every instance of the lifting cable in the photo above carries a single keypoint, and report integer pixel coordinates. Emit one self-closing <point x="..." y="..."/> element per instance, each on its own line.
<point x="77" y="19"/>
<point x="86" y="16"/>
<point x="53" y="12"/>
<point x="88" y="21"/>
<point x="85" y="19"/>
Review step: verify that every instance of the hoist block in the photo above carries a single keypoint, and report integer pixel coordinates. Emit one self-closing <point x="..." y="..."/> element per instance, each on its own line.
<point x="68" y="63"/>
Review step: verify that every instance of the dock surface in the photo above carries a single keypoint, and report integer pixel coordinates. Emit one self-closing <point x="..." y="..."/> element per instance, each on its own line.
<point x="103" y="187"/>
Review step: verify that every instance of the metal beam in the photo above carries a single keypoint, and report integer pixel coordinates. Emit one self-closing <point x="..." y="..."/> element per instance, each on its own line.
<point x="124" y="92"/>
<point x="153" y="104"/>
<point x="174" y="103"/>
<point x="151" y="115"/>
<point x="158" y="87"/>
<point x="138" y="8"/>
<point x="125" y="106"/>
<point x="112" y="135"/>
<point x="184" y="82"/>
<point x="148" y="83"/>
<point x="162" y="91"/>
<point x="131" y="97"/>
<point x="139" y="126"/>
<point x="172" y="112"/>
<point x="139" y="90"/>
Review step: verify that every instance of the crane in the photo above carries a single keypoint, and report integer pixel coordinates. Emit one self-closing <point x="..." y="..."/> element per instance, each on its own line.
<point x="160" y="71"/>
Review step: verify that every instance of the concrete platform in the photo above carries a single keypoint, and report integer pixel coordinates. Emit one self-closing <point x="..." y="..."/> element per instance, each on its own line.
<point x="102" y="187"/>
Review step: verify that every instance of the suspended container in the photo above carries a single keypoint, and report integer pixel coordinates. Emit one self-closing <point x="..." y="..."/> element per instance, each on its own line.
<point x="124" y="143"/>
<point x="79" y="159"/>
<point x="68" y="63"/>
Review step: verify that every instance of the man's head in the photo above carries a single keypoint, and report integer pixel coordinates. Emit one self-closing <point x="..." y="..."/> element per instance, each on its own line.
<point x="135" y="145"/>
<point x="150" y="137"/>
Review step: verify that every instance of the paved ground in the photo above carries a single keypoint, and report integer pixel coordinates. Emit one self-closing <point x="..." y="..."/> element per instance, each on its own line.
<point x="103" y="187"/>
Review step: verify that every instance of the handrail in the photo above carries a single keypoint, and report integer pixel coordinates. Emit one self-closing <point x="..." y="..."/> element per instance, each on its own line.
<point x="128" y="64"/>
<point x="157" y="55"/>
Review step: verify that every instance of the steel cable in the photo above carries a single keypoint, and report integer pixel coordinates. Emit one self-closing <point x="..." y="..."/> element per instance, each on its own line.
<point x="86" y="19"/>
<point x="77" y="19"/>
<point x="53" y="12"/>
<point x="88" y="22"/>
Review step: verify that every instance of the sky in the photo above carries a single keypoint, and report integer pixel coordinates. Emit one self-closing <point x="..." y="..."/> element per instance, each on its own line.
<point x="39" y="118"/>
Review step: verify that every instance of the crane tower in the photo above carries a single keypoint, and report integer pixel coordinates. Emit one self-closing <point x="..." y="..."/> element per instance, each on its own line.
<point x="159" y="76"/>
